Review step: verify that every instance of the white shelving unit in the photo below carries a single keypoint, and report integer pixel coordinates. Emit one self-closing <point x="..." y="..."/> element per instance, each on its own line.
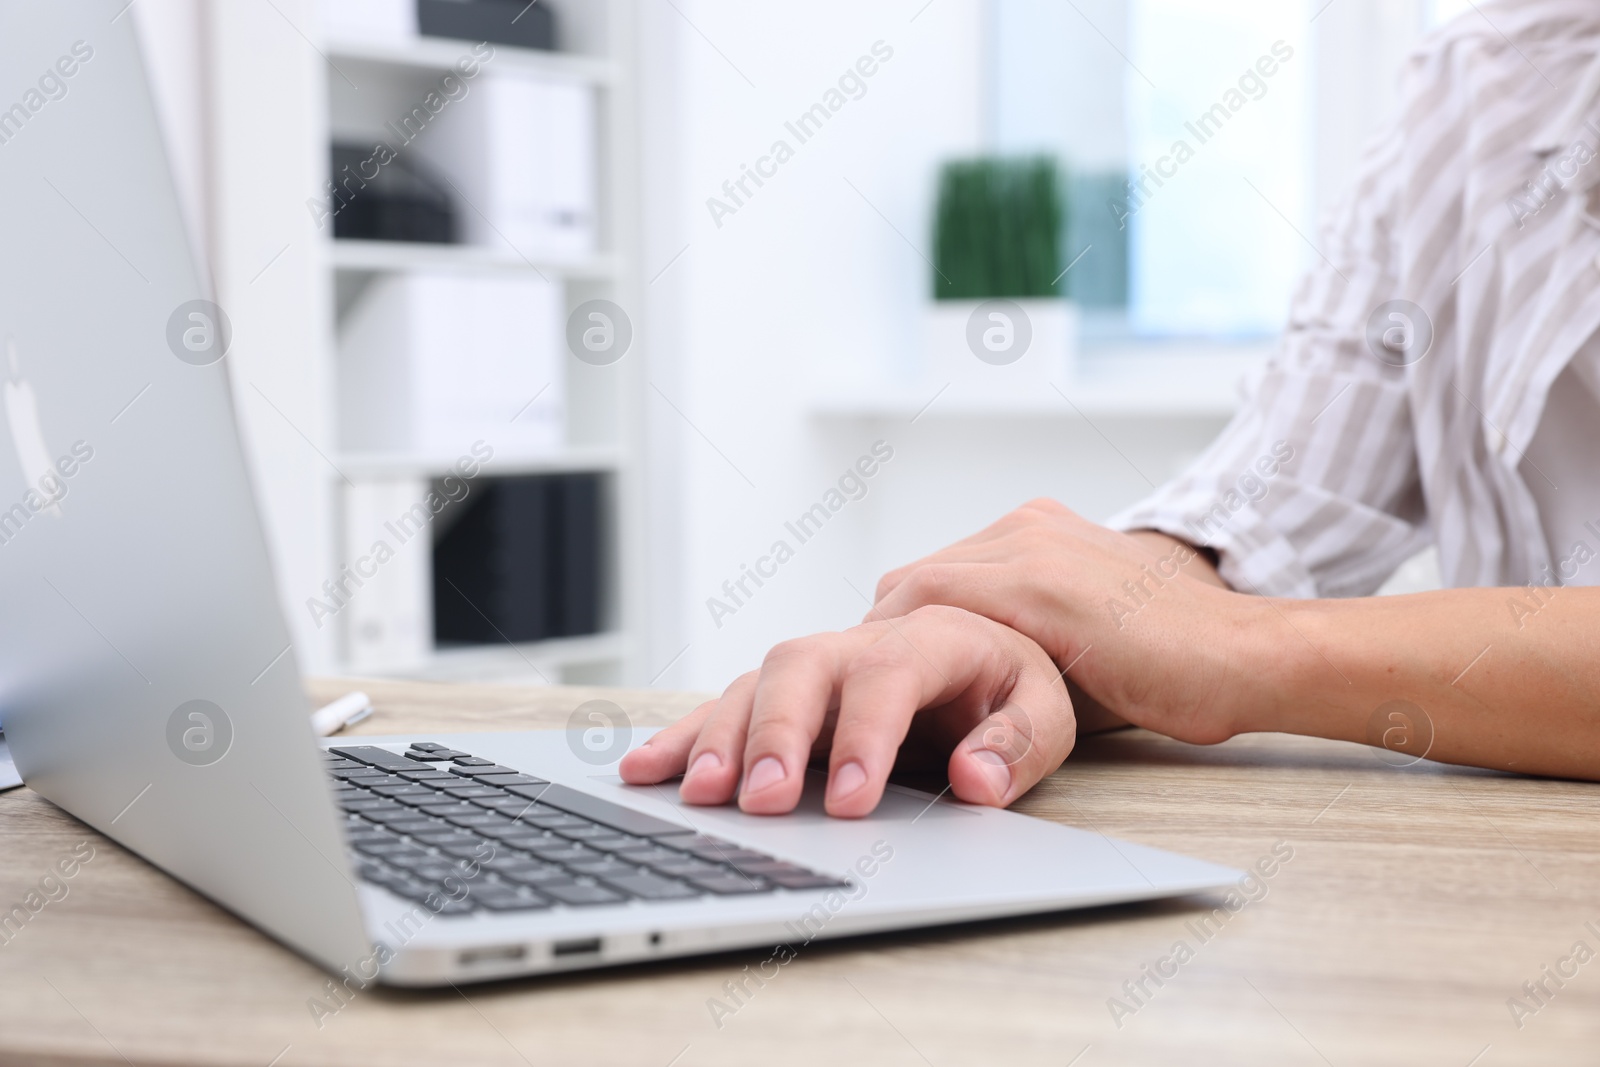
<point x="285" y="376"/>
<point x="354" y="255"/>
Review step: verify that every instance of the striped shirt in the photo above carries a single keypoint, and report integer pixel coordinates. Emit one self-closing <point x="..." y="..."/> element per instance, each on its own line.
<point x="1447" y="332"/>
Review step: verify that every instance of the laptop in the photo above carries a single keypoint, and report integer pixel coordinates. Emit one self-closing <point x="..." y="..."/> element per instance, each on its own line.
<point x="148" y="683"/>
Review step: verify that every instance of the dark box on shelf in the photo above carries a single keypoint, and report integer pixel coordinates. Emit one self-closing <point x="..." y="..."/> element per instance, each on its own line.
<point x="390" y="202"/>
<point x="521" y="562"/>
<point x="513" y="22"/>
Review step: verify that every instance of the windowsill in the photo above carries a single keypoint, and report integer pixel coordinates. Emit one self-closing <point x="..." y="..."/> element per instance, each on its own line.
<point x="1128" y="379"/>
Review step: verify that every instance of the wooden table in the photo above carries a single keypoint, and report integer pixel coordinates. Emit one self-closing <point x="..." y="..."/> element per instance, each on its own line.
<point x="1414" y="905"/>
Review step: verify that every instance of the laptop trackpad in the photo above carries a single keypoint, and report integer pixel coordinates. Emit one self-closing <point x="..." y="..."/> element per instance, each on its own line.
<point x="899" y="804"/>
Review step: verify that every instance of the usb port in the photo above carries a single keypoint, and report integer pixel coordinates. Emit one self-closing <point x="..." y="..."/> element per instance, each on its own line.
<point x="578" y="946"/>
<point x="495" y="954"/>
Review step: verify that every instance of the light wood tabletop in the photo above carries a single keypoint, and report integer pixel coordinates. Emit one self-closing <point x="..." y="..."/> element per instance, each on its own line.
<point x="1402" y="911"/>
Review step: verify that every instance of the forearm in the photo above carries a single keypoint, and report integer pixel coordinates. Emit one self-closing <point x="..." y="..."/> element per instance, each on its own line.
<point x="1198" y="565"/>
<point x="1502" y="681"/>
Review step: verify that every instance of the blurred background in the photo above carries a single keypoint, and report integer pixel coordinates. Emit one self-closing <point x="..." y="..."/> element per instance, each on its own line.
<point x="638" y="333"/>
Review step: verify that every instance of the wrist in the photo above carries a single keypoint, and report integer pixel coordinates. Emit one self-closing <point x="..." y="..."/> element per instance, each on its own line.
<point x="1196" y="563"/>
<point x="1295" y="673"/>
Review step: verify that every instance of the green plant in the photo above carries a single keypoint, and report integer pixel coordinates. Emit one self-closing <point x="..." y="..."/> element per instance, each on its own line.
<point x="997" y="229"/>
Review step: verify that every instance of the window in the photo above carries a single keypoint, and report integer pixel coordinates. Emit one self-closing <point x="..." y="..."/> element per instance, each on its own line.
<point x="1235" y="121"/>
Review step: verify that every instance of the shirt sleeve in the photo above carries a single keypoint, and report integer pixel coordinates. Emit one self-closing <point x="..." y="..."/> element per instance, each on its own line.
<point x="1312" y="489"/>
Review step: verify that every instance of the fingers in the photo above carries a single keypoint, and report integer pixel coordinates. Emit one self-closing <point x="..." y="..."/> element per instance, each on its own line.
<point x="713" y="763"/>
<point x="665" y="754"/>
<point x="958" y="668"/>
<point x="926" y="659"/>
<point x="1019" y="743"/>
<point x="793" y="697"/>
<point x="962" y="665"/>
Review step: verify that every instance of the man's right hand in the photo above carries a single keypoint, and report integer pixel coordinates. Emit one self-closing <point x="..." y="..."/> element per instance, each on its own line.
<point x="1139" y="622"/>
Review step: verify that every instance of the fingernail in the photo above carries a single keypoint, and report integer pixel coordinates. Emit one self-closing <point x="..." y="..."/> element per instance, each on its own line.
<point x="767" y="771"/>
<point x="846" y="780"/>
<point x="706" y="761"/>
<point x="993" y="766"/>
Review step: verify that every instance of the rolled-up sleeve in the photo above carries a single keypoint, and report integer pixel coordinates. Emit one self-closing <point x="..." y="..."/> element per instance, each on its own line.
<point x="1313" y="488"/>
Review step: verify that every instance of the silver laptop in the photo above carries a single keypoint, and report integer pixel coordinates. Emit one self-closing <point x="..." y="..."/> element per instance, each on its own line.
<point x="148" y="684"/>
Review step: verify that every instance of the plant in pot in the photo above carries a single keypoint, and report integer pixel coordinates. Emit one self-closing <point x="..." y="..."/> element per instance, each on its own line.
<point x="997" y="272"/>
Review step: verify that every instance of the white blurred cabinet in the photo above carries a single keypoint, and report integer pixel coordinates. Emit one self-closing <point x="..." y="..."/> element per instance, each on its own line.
<point x="282" y="91"/>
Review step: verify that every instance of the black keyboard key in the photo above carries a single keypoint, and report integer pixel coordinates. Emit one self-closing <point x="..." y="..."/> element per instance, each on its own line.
<point x="684" y="866"/>
<point x="352" y="770"/>
<point x="488" y="770"/>
<point x="506" y="898"/>
<point x="427" y="746"/>
<point x="538" y="877"/>
<point x="473" y="761"/>
<point x="550" y="819"/>
<point x="374" y="777"/>
<point x="803" y="879"/>
<point x="498" y="801"/>
<point x="447" y="807"/>
<point x="426" y="757"/>
<point x="389" y="813"/>
<point x="508" y="831"/>
<point x="481" y="821"/>
<point x="738" y="857"/>
<point x="769" y="867"/>
<point x="615" y="842"/>
<point x="566" y="852"/>
<point x="699" y="842"/>
<point x="379" y="757"/>
<point x="601" y="866"/>
<point x="648" y="856"/>
<point x="473" y="792"/>
<point x="408" y="789"/>
<point x="446" y="838"/>
<point x="729" y="884"/>
<point x="427" y="776"/>
<point x="578" y="894"/>
<point x="417" y="826"/>
<point x="419" y="801"/>
<point x="503" y="780"/>
<point x="650" y="887"/>
<point x="477" y="850"/>
<point x="436" y="869"/>
<point x="584" y="832"/>
<point x="597" y="810"/>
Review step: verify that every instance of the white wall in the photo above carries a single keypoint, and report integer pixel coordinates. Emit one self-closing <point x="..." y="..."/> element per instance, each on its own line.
<point x="804" y="285"/>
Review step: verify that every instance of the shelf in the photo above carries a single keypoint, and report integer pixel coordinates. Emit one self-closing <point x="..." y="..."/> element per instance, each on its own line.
<point x="523" y="662"/>
<point x="353" y="255"/>
<point x="1138" y="381"/>
<point x="378" y="465"/>
<point x="440" y="54"/>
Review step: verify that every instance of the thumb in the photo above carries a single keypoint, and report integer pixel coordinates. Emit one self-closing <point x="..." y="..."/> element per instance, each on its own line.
<point x="1019" y="743"/>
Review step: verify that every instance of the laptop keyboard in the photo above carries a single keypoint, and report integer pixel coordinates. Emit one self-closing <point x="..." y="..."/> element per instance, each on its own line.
<point x="442" y="827"/>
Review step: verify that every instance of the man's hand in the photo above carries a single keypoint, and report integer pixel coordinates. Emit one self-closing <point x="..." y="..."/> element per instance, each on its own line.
<point x="947" y="685"/>
<point x="1140" y="623"/>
